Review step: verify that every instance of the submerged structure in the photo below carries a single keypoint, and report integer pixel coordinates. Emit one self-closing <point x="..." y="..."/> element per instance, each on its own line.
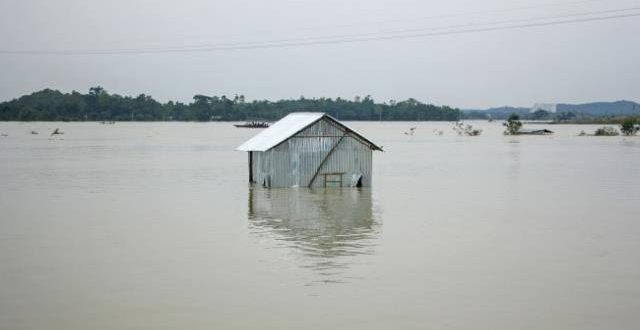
<point x="309" y="149"/>
<point x="543" y="131"/>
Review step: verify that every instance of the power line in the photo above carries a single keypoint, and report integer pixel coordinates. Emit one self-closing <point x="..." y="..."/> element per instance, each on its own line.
<point x="380" y="33"/>
<point x="470" y="13"/>
<point x="311" y="41"/>
<point x="421" y="19"/>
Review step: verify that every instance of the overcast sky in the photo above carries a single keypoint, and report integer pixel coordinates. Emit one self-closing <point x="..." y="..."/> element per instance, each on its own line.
<point x="596" y="60"/>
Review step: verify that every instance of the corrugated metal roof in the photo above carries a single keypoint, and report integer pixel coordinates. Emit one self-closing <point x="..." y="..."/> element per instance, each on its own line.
<point x="288" y="127"/>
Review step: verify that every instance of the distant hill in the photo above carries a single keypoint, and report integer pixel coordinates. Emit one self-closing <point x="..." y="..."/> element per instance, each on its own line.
<point x="595" y="109"/>
<point x="602" y="109"/>
<point x="495" y="113"/>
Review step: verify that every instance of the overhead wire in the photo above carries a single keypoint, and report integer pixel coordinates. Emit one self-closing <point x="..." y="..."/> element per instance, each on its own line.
<point x="469" y="13"/>
<point x="353" y="38"/>
<point x="380" y="33"/>
<point x="414" y="19"/>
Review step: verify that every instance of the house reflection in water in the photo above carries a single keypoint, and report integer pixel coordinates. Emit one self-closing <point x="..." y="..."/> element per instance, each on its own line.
<point x="327" y="226"/>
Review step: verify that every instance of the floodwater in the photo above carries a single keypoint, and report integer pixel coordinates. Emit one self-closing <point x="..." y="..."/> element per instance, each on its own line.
<point x="153" y="226"/>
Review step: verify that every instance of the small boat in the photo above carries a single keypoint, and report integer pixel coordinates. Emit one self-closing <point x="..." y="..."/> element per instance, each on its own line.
<point x="253" y="124"/>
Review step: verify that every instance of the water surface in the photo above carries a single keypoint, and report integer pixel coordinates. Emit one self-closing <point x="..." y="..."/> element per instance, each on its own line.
<point x="153" y="226"/>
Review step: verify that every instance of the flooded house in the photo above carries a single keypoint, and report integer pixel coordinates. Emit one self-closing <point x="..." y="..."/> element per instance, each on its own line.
<point x="309" y="149"/>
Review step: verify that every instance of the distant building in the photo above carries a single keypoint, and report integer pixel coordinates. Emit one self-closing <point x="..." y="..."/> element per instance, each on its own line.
<point x="548" y="107"/>
<point x="309" y="149"/>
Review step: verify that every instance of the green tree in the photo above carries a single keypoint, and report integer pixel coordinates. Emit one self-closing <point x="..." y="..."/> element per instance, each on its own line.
<point x="512" y="125"/>
<point x="564" y="116"/>
<point x="98" y="104"/>
<point x="629" y="127"/>
<point x="540" y="115"/>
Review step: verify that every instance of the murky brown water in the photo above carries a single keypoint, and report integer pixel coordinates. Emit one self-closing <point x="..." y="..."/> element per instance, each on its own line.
<point x="153" y="226"/>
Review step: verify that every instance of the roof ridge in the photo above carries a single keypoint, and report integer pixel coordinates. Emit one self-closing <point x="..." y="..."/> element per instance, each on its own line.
<point x="288" y="126"/>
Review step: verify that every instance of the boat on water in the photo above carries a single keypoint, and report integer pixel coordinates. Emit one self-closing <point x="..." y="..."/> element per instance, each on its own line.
<point x="253" y="124"/>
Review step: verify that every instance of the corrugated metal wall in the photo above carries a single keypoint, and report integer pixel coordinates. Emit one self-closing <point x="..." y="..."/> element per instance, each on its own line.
<point x="294" y="162"/>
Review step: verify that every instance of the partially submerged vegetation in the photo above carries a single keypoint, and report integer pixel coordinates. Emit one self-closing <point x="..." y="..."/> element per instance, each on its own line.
<point x="99" y="105"/>
<point x="628" y="127"/>
<point x="610" y="120"/>
<point x="468" y="130"/>
<point x="512" y="125"/>
<point x="606" y="131"/>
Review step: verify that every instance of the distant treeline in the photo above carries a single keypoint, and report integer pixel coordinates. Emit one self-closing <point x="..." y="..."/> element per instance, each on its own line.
<point x="563" y="112"/>
<point x="99" y="105"/>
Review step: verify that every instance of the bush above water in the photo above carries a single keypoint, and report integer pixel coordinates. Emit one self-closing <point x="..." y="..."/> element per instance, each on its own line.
<point x="606" y="131"/>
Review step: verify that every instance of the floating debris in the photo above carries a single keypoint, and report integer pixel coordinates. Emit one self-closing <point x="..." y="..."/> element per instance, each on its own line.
<point x="57" y="132"/>
<point x="411" y="131"/>
<point x="33" y="132"/>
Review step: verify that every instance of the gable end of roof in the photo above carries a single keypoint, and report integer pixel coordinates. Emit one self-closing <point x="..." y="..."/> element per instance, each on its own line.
<point x="291" y="125"/>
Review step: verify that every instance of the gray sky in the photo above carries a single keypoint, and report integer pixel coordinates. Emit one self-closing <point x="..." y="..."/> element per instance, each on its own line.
<point x="597" y="60"/>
